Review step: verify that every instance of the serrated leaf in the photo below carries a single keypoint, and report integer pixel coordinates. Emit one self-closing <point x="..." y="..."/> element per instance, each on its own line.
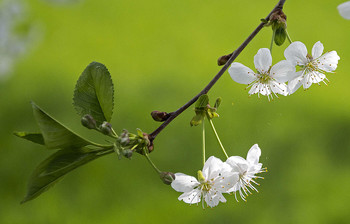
<point x="33" y="137"/>
<point x="94" y="93"/>
<point x="51" y="170"/>
<point x="202" y="101"/>
<point x="55" y="134"/>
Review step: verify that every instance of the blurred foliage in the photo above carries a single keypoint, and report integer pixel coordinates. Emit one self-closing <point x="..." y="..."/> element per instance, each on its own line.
<point x="160" y="54"/>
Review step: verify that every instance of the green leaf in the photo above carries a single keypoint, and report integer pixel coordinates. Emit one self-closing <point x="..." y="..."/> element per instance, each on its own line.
<point x="212" y="114"/>
<point x="202" y="101"/>
<point x="139" y="132"/>
<point x="33" y="137"/>
<point x="94" y="93"/>
<point x="51" y="170"/>
<point x="217" y="102"/>
<point x="197" y="119"/>
<point x="263" y="20"/>
<point x="55" y="134"/>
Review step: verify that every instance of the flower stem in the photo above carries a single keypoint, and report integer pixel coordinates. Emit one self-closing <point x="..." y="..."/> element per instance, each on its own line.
<point x="114" y="134"/>
<point x="105" y="152"/>
<point x="288" y="37"/>
<point x="273" y="38"/>
<point x="217" y="137"/>
<point x="152" y="164"/>
<point x="101" y="146"/>
<point x="203" y="139"/>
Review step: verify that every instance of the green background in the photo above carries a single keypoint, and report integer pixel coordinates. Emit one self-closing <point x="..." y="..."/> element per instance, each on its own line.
<point x="160" y="54"/>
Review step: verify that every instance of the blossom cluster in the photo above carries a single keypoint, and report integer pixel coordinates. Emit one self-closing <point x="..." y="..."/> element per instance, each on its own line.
<point x="299" y="69"/>
<point x="216" y="178"/>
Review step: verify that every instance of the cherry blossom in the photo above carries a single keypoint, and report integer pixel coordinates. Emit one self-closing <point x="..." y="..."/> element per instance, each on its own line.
<point x="267" y="80"/>
<point x="312" y="68"/>
<point x="247" y="170"/>
<point x="215" y="179"/>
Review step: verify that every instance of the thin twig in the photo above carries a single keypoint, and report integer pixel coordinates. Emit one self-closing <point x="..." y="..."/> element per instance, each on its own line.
<point x="235" y="54"/>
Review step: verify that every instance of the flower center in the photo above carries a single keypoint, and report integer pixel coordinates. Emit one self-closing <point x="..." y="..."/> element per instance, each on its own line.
<point x="206" y="186"/>
<point x="309" y="57"/>
<point x="241" y="175"/>
<point x="264" y="78"/>
<point x="310" y="67"/>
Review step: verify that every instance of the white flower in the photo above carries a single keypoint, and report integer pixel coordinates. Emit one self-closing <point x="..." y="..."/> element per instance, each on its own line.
<point x="247" y="170"/>
<point x="344" y="10"/>
<point x="13" y="44"/>
<point x="313" y="67"/>
<point x="214" y="180"/>
<point x="268" y="79"/>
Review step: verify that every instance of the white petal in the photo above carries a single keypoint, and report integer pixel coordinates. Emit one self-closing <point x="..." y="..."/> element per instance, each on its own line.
<point x="264" y="89"/>
<point x="235" y="188"/>
<point x="213" y="200"/>
<point x="317" y="50"/>
<point x="226" y="182"/>
<point x="254" y="154"/>
<point x="312" y="77"/>
<point x="212" y="167"/>
<point x="296" y="53"/>
<point x="283" y="71"/>
<point x="317" y="77"/>
<point x="233" y="160"/>
<point x="221" y="197"/>
<point x="255" y="88"/>
<point x="280" y="88"/>
<point x="191" y="197"/>
<point x="307" y="81"/>
<point x="328" y="62"/>
<point x="294" y="84"/>
<point x="238" y="164"/>
<point x="256" y="168"/>
<point x="344" y="10"/>
<point x="263" y="60"/>
<point x="241" y="74"/>
<point x="184" y="183"/>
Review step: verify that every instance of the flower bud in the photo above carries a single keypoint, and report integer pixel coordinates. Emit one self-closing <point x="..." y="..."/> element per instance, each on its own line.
<point x="88" y="121"/>
<point x="223" y="59"/>
<point x="124" y="138"/>
<point x="280" y="36"/>
<point x="106" y="128"/>
<point x="278" y="21"/>
<point x="167" y="177"/>
<point x="159" y="116"/>
<point x="217" y="102"/>
<point x="151" y="147"/>
<point x="128" y="143"/>
<point x="127" y="153"/>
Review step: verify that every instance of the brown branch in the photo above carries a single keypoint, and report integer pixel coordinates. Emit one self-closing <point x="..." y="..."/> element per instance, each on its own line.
<point x="234" y="55"/>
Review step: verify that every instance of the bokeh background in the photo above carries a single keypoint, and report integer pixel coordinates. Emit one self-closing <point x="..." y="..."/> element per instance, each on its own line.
<point x="160" y="54"/>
